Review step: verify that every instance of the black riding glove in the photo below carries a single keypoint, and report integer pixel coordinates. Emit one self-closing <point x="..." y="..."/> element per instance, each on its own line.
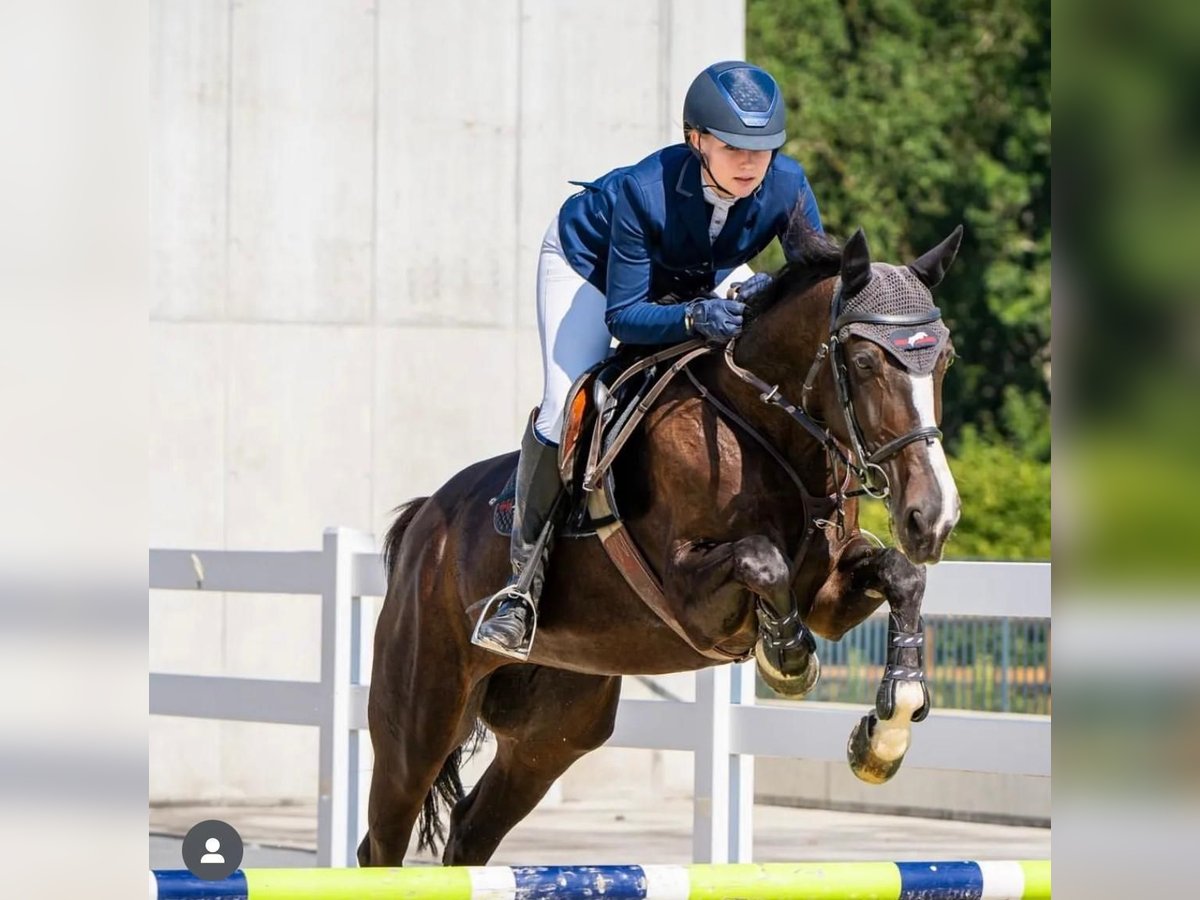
<point x="715" y="319"/>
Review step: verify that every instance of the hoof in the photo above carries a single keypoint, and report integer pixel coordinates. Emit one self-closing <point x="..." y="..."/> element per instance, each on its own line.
<point x="877" y="746"/>
<point x="864" y="761"/>
<point x="791" y="686"/>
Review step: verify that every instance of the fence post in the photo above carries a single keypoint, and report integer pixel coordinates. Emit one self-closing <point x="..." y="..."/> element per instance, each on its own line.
<point x="710" y="803"/>
<point x="1005" y="662"/>
<point x="362" y="759"/>
<point x="337" y="794"/>
<point x="741" y="774"/>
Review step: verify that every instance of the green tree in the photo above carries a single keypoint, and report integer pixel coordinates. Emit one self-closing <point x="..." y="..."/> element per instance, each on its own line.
<point x="912" y="116"/>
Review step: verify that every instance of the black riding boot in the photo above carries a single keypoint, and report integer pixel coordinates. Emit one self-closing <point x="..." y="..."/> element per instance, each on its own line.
<point x="511" y="612"/>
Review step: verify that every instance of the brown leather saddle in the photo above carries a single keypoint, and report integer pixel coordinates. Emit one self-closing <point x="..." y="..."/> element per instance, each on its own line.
<point x="603" y="409"/>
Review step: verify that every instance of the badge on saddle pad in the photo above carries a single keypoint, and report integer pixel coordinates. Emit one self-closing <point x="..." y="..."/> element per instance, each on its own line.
<point x="912" y="339"/>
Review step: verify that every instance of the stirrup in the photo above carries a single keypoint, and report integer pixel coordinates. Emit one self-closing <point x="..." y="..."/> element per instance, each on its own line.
<point x="508" y="592"/>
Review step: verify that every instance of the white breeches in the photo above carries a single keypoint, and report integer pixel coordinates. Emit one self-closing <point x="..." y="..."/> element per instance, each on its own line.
<point x="572" y="330"/>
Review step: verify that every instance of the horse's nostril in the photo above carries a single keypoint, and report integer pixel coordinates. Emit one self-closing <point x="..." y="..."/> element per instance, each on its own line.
<point x="916" y="520"/>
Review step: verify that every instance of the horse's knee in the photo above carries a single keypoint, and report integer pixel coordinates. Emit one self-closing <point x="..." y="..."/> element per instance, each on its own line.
<point x="903" y="580"/>
<point x="760" y="565"/>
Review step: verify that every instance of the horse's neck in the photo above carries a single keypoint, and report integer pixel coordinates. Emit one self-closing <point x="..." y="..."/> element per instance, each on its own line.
<point x="794" y="444"/>
<point x="784" y="339"/>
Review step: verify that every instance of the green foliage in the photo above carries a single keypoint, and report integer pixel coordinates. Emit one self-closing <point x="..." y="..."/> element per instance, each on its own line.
<point x="1005" y="503"/>
<point x="912" y="116"/>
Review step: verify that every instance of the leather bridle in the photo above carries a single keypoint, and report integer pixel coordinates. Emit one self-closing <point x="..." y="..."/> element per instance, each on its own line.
<point x="865" y="464"/>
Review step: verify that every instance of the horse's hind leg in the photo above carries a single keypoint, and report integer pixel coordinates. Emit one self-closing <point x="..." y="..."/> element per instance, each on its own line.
<point x="863" y="578"/>
<point x="421" y="707"/>
<point x="416" y="756"/>
<point x="544" y="719"/>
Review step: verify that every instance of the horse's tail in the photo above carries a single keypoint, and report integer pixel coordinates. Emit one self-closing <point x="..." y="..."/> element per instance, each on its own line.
<point x="447" y="790"/>
<point x="391" y="542"/>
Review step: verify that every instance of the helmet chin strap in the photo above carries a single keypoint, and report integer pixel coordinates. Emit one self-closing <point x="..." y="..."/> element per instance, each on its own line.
<point x="700" y="155"/>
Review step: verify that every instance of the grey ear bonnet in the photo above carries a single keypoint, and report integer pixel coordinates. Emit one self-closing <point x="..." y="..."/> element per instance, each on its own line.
<point x="896" y="290"/>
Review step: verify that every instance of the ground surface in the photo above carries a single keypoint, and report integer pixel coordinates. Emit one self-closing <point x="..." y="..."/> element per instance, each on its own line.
<point x="611" y="832"/>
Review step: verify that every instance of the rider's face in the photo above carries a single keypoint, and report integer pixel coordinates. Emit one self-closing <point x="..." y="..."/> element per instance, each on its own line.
<point x="739" y="172"/>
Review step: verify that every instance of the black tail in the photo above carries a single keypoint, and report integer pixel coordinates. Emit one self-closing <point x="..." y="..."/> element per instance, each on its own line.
<point x="391" y="541"/>
<point x="447" y="790"/>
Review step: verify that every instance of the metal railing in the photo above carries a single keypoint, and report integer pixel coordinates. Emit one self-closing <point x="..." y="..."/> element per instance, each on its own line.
<point x="725" y="727"/>
<point x="985" y="663"/>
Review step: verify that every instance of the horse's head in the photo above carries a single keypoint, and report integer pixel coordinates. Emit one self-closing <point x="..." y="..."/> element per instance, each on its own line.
<point x="876" y="380"/>
<point x="889" y="350"/>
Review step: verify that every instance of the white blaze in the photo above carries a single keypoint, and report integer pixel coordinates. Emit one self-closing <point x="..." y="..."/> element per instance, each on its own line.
<point x="922" y="393"/>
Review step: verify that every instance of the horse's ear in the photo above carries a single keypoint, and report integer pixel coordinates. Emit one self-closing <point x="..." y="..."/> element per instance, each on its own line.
<point x="931" y="267"/>
<point x="856" y="264"/>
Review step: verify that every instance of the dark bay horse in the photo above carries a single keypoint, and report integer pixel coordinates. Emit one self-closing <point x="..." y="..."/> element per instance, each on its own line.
<point x="731" y="535"/>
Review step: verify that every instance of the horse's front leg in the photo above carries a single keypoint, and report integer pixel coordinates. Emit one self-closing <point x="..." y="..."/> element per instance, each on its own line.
<point x="704" y="573"/>
<point x="863" y="579"/>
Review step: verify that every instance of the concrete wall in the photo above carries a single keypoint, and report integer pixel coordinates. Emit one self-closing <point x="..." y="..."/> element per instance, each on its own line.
<point x="965" y="796"/>
<point x="347" y="199"/>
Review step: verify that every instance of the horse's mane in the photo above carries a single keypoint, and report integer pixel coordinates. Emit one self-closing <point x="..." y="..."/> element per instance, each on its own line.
<point x="813" y="256"/>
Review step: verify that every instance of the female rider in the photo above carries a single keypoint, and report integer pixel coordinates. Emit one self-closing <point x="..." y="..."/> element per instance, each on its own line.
<point x="648" y="254"/>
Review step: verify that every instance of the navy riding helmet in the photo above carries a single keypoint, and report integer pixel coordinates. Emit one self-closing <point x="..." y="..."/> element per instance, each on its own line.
<point x="739" y="103"/>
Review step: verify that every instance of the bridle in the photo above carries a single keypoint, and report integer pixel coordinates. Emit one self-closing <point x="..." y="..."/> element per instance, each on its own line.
<point x="866" y="465"/>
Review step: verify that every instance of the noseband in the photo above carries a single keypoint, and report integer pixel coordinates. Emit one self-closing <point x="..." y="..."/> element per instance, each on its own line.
<point x="864" y="463"/>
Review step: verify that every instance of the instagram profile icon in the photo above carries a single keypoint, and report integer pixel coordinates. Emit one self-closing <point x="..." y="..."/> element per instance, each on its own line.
<point x="212" y="850"/>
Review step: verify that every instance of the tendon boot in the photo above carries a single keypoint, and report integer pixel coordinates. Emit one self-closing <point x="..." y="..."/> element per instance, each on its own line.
<point x="509" y="618"/>
<point x="786" y="653"/>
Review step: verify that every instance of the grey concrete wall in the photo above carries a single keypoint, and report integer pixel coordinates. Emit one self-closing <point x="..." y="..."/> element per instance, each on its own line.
<point x="347" y="200"/>
<point x="965" y="796"/>
<point x="613" y="772"/>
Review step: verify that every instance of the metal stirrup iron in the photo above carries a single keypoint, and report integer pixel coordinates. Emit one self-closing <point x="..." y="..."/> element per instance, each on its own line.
<point x="520" y="592"/>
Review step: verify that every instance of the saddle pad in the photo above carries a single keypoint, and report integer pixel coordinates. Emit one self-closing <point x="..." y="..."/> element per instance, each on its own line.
<point x="502" y="505"/>
<point x="502" y="513"/>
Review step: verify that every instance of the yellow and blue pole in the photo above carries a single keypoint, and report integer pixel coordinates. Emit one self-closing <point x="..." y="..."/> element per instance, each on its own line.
<point x="944" y="880"/>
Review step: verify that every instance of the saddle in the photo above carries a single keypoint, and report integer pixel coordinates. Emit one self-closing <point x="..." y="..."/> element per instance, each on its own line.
<point x="603" y="409"/>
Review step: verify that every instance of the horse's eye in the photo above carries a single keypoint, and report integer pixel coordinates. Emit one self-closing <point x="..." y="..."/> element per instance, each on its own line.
<point x="864" y="361"/>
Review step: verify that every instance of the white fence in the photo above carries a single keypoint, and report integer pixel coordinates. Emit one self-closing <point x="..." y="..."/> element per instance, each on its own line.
<point x="725" y="728"/>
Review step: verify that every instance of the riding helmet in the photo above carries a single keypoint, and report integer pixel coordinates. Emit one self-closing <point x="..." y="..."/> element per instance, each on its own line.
<point x="739" y="103"/>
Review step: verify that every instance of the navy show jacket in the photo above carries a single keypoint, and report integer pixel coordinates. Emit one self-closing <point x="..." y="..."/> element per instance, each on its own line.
<point x="640" y="235"/>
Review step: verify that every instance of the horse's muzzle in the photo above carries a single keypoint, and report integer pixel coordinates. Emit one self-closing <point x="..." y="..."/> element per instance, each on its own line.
<point x="922" y="529"/>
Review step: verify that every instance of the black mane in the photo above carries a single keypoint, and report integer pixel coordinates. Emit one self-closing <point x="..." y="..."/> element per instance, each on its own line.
<point x="814" y="256"/>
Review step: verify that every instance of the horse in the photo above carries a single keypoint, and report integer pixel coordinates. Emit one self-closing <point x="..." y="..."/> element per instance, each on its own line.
<point x="746" y="514"/>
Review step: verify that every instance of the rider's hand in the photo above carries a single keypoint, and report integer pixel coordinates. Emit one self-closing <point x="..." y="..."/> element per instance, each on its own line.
<point x="716" y="319"/>
<point x="755" y="284"/>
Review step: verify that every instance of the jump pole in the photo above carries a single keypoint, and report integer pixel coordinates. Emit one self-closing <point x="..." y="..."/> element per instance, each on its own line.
<point x="941" y="880"/>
